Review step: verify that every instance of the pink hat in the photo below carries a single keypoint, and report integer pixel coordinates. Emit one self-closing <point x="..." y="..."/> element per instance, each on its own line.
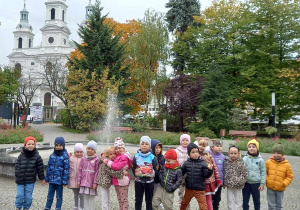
<point x="119" y="142"/>
<point x="78" y="147"/>
<point x="185" y="136"/>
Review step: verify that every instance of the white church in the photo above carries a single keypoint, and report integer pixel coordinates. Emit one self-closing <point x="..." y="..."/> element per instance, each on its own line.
<point x="55" y="43"/>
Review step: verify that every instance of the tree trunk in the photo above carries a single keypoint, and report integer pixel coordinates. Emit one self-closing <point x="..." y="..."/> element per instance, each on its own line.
<point x="279" y="129"/>
<point x="70" y="119"/>
<point x="181" y="124"/>
<point x="147" y="102"/>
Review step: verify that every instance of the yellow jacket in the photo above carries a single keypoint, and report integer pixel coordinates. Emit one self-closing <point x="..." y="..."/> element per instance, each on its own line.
<point x="279" y="174"/>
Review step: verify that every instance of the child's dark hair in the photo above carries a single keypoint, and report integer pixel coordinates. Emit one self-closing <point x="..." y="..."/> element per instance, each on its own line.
<point x="233" y="146"/>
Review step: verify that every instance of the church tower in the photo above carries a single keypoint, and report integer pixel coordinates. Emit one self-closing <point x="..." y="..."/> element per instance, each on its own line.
<point x="23" y="36"/>
<point x="55" y="31"/>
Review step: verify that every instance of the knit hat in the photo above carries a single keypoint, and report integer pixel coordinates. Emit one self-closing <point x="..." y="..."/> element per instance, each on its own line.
<point x="191" y="146"/>
<point x="171" y="154"/>
<point x="278" y="148"/>
<point x="185" y="136"/>
<point x="119" y="142"/>
<point x="60" y="140"/>
<point x="253" y="141"/>
<point x="92" y="144"/>
<point x="145" y="139"/>
<point x="78" y="147"/>
<point x="29" y="138"/>
<point x="216" y="142"/>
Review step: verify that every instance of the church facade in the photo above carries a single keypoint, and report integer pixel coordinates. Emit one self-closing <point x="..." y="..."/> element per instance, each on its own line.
<point x="55" y="45"/>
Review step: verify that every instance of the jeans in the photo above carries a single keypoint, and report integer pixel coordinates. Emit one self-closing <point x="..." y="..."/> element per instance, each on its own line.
<point x="59" y="196"/>
<point x="24" y="196"/>
<point x="275" y="199"/>
<point x="251" y="189"/>
<point x="140" y="188"/>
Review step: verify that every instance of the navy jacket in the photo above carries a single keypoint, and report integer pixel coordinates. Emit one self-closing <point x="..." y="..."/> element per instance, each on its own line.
<point x="160" y="159"/>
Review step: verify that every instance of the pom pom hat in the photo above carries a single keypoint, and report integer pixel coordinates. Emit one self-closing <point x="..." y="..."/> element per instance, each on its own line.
<point x="119" y="142"/>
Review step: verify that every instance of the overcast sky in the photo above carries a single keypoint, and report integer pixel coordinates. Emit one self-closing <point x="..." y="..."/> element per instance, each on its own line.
<point x="120" y="10"/>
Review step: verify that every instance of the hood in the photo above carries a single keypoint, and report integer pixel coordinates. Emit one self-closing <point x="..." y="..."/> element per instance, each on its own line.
<point x="154" y="143"/>
<point x="259" y="156"/>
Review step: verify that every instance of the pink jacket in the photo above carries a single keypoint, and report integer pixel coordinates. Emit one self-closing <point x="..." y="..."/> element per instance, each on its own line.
<point x="73" y="171"/>
<point x="182" y="155"/>
<point x="121" y="162"/>
<point x="88" y="171"/>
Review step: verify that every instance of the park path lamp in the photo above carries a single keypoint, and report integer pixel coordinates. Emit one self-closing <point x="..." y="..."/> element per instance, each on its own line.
<point x="273" y="112"/>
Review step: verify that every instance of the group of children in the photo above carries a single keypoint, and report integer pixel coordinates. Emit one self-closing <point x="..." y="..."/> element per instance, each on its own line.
<point x="196" y="169"/>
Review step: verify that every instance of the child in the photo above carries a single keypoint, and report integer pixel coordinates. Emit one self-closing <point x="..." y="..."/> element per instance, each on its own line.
<point x="156" y="147"/>
<point x="216" y="151"/>
<point x="105" y="175"/>
<point x="214" y="181"/>
<point x="57" y="173"/>
<point x="144" y="163"/>
<point x="235" y="177"/>
<point x="74" y="165"/>
<point x="256" y="175"/>
<point x="28" y="165"/>
<point x="197" y="170"/>
<point x="87" y="175"/>
<point x="182" y="156"/>
<point x="122" y="162"/>
<point x="170" y="179"/>
<point x="279" y="176"/>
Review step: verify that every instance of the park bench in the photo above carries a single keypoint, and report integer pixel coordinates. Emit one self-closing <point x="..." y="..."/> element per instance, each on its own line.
<point x="121" y="129"/>
<point x="242" y="133"/>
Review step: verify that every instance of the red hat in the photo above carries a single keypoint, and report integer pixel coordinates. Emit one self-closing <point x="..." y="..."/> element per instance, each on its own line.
<point x="29" y="138"/>
<point x="171" y="154"/>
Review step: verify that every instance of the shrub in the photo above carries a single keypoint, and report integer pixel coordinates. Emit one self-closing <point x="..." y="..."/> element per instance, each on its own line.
<point x="195" y="127"/>
<point x="18" y="135"/>
<point x="205" y="132"/>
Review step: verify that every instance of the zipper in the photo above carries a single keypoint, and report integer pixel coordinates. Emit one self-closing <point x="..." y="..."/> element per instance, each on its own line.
<point x="193" y="172"/>
<point x="166" y="178"/>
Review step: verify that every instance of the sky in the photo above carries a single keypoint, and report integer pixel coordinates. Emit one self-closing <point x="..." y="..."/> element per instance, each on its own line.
<point x="120" y="10"/>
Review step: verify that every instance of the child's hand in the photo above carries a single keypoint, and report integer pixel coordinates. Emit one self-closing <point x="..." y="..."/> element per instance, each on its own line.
<point x="224" y="186"/>
<point x="126" y="173"/>
<point x="78" y="184"/>
<point x="64" y="185"/>
<point x="95" y="187"/>
<point x="70" y="154"/>
<point x="209" y="166"/>
<point x="43" y="182"/>
<point x="261" y="188"/>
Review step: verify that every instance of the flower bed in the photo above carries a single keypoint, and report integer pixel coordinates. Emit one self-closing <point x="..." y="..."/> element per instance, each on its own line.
<point x="12" y="136"/>
<point x="291" y="146"/>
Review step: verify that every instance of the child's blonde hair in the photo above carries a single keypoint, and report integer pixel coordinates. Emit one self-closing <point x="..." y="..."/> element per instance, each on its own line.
<point x="107" y="151"/>
<point x="202" y="141"/>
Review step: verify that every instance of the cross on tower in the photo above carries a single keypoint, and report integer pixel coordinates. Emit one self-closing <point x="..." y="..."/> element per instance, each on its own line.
<point x="24" y="3"/>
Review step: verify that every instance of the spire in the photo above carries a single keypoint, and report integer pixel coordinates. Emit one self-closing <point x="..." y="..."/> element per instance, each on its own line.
<point x="24" y="14"/>
<point x="88" y="9"/>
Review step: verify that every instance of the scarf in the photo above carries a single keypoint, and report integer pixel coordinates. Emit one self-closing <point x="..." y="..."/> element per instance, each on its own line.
<point x="144" y="154"/>
<point x="59" y="152"/>
<point x="278" y="160"/>
<point x="253" y="155"/>
<point x="172" y="166"/>
<point x="28" y="153"/>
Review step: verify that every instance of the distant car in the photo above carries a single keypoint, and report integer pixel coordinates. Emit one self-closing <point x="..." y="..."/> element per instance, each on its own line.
<point x="127" y="117"/>
<point x="295" y="120"/>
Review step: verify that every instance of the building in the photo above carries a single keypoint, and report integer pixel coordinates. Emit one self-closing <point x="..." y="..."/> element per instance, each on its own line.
<point x="55" y="44"/>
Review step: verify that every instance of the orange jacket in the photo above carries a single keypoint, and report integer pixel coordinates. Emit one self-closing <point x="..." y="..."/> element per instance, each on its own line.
<point x="279" y="174"/>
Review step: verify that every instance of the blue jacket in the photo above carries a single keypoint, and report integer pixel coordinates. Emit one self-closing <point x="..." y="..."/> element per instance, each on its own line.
<point x="160" y="159"/>
<point x="256" y="169"/>
<point x="58" y="169"/>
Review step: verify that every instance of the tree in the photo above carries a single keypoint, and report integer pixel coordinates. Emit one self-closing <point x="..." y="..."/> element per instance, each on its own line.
<point x="8" y="83"/>
<point x="183" y="97"/>
<point x="148" y="49"/>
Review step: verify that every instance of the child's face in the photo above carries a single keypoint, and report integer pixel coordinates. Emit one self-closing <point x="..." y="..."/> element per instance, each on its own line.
<point x="252" y="149"/>
<point x="201" y="148"/>
<point x="194" y="154"/>
<point x="90" y="151"/>
<point x="30" y="145"/>
<point x="184" y="143"/>
<point x="78" y="154"/>
<point x="119" y="150"/>
<point x="111" y="155"/>
<point x="157" y="149"/>
<point x="145" y="147"/>
<point x="233" y="153"/>
<point x="216" y="149"/>
<point x="170" y="161"/>
<point x="277" y="156"/>
<point x="59" y="147"/>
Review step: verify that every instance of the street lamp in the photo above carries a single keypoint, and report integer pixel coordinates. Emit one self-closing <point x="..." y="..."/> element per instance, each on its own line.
<point x="273" y="112"/>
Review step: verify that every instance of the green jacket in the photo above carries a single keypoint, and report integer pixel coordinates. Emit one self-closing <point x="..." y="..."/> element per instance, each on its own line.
<point x="256" y="169"/>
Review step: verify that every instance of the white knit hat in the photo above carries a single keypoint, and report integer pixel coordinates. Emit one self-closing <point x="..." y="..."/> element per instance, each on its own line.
<point x="145" y="139"/>
<point x="92" y="144"/>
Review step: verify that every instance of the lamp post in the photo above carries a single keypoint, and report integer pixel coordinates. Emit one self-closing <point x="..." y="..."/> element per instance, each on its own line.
<point x="273" y="112"/>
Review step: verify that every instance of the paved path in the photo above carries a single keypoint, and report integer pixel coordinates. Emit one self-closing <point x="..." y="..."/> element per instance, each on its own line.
<point x="8" y="186"/>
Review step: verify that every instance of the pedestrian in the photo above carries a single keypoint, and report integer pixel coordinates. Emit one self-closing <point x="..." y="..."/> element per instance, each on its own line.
<point x="256" y="175"/>
<point x="28" y="165"/>
<point x="88" y="174"/>
<point x="121" y="162"/>
<point x="73" y="174"/>
<point x="57" y="173"/>
<point x="143" y="167"/>
<point x="216" y="151"/>
<point x="213" y="183"/>
<point x="170" y="179"/>
<point x="279" y="177"/>
<point x="105" y="176"/>
<point x="157" y="148"/>
<point x="197" y="171"/>
<point x="182" y="156"/>
<point x="235" y="177"/>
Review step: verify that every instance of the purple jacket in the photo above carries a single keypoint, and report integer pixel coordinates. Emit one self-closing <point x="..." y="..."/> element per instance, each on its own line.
<point x="219" y="160"/>
<point x="88" y="171"/>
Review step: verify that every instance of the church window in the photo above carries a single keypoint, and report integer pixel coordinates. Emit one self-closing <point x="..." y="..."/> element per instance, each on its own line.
<point x="65" y="41"/>
<point x="51" y="40"/>
<point x="20" y="42"/>
<point x="18" y="68"/>
<point x="29" y="43"/>
<point x="63" y="15"/>
<point x="32" y="63"/>
<point x="52" y="14"/>
<point x="47" y="99"/>
<point x="49" y="68"/>
<point x="20" y="25"/>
